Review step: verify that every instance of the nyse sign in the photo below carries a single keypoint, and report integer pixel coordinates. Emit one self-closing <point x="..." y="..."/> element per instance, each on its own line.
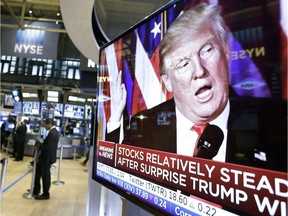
<point x="28" y="49"/>
<point x="32" y="42"/>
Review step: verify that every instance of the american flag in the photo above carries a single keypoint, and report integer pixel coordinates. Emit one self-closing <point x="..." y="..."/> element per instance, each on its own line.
<point x="136" y="55"/>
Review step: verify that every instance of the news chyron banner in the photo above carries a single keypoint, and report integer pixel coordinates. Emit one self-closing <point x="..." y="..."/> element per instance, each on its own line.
<point x="181" y="185"/>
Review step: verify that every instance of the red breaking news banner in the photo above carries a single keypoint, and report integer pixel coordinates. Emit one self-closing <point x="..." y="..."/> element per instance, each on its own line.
<point x="105" y="152"/>
<point x="244" y="188"/>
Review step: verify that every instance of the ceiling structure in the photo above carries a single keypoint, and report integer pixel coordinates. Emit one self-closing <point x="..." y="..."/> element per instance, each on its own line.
<point x="20" y="14"/>
<point x="75" y="18"/>
<point x="115" y="15"/>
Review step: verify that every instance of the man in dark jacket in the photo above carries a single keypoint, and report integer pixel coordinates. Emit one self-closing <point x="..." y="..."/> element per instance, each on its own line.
<point x="48" y="153"/>
<point x="19" y="140"/>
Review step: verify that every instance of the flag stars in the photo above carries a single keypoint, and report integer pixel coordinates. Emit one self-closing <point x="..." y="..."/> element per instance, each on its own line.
<point x="156" y="29"/>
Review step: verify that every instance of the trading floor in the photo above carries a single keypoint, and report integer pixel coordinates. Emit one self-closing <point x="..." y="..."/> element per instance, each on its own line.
<point x="65" y="200"/>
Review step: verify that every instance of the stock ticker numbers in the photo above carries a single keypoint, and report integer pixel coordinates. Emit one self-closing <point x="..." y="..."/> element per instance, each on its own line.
<point x="207" y="210"/>
<point x="169" y="201"/>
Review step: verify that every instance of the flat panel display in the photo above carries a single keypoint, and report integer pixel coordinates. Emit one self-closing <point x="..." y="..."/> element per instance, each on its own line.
<point x="8" y="101"/>
<point x="55" y="108"/>
<point x="10" y="126"/>
<point x="73" y="111"/>
<point x="31" y="108"/>
<point x="18" y="107"/>
<point x="192" y="111"/>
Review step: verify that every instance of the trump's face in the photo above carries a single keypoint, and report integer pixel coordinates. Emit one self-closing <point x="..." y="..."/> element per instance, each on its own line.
<point x="198" y="75"/>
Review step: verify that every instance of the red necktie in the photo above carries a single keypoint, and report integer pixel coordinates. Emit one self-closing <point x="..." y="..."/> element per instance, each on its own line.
<point x="199" y="130"/>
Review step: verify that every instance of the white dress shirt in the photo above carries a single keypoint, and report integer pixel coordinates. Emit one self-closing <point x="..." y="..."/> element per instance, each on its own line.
<point x="186" y="138"/>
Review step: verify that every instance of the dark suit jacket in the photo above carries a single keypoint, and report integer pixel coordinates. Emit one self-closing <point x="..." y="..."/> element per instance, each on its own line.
<point x="20" y="134"/>
<point x="255" y="125"/>
<point x="49" y="147"/>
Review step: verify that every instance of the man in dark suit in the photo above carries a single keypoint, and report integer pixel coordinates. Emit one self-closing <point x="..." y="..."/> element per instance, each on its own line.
<point x="19" y="140"/>
<point x="48" y="154"/>
<point x="194" y="59"/>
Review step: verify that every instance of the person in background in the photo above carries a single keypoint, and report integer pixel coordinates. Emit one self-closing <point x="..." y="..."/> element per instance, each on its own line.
<point x="87" y="142"/>
<point x="19" y="140"/>
<point x="48" y="154"/>
<point x="4" y="135"/>
<point x="69" y="128"/>
<point x="18" y="124"/>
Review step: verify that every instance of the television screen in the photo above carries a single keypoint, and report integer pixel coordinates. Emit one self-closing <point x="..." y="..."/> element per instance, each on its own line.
<point x="76" y="131"/>
<point x="198" y="126"/>
<point x="9" y="126"/>
<point x="73" y="111"/>
<point x="4" y="118"/>
<point x="8" y="101"/>
<point x="32" y="108"/>
<point x="52" y="108"/>
<point x="18" y="107"/>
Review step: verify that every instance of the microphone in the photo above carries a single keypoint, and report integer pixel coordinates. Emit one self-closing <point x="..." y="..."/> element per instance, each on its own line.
<point x="209" y="142"/>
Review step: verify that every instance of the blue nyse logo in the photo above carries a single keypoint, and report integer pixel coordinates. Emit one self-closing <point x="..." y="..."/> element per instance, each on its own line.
<point x="29" y="41"/>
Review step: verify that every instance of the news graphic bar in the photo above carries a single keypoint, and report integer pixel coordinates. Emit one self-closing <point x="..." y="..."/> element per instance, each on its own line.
<point x="246" y="189"/>
<point x="105" y="152"/>
<point x="167" y="200"/>
<point x="227" y="186"/>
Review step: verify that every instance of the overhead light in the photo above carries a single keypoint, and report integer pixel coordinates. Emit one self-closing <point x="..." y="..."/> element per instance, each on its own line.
<point x="77" y="99"/>
<point x="30" y="11"/>
<point x="58" y="14"/>
<point x="29" y="95"/>
<point x="53" y="96"/>
<point x="15" y="93"/>
<point x="72" y="98"/>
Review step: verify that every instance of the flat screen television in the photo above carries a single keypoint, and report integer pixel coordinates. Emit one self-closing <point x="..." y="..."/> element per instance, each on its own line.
<point x="31" y="107"/>
<point x="8" y="101"/>
<point x="4" y="118"/>
<point x="9" y="126"/>
<point x="55" y="108"/>
<point x="73" y="111"/>
<point x="18" y="107"/>
<point x="140" y="153"/>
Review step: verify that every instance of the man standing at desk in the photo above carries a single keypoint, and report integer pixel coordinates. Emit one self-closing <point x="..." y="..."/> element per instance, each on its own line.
<point x="48" y="153"/>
